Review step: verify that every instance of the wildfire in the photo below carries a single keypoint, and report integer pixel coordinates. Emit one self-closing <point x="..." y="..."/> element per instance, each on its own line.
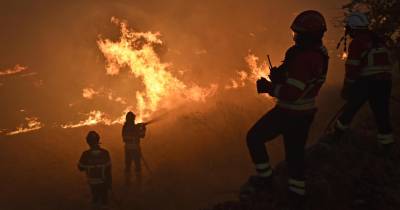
<point x="135" y="50"/>
<point x="32" y="123"/>
<point x="17" y="69"/>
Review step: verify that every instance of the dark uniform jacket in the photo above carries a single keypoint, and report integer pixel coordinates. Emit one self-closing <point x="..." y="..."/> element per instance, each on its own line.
<point x="97" y="165"/>
<point x="305" y="72"/>
<point x="368" y="56"/>
<point x="132" y="133"/>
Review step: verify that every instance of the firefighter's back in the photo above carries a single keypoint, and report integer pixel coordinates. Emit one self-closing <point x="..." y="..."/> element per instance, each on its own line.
<point x="95" y="162"/>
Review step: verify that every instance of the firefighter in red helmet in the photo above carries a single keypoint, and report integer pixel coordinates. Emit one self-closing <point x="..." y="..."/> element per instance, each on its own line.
<point x="96" y="163"/>
<point x="131" y="135"/>
<point x="295" y="84"/>
<point x="367" y="78"/>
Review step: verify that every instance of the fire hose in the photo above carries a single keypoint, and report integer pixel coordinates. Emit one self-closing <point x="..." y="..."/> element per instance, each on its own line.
<point x="145" y="164"/>
<point x="333" y="119"/>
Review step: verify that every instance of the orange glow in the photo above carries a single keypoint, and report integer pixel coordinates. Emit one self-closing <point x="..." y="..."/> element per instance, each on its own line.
<point x="32" y="123"/>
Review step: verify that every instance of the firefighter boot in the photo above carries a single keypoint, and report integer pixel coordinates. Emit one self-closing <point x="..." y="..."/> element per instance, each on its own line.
<point x="254" y="185"/>
<point x="386" y="150"/>
<point x="296" y="201"/>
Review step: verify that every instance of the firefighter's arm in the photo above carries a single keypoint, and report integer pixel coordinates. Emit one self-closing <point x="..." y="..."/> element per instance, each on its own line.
<point x="82" y="162"/>
<point x="354" y="61"/>
<point x="109" y="172"/>
<point x="298" y="73"/>
<point x="141" y="130"/>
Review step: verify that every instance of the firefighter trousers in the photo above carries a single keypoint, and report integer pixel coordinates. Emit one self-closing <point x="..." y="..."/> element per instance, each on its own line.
<point x="134" y="154"/>
<point x="377" y="92"/>
<point x="294" y="128"/>
<point x="99" y="194"/>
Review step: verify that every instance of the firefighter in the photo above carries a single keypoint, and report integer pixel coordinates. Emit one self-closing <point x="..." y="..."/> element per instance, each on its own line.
<point x="131" y="135"/>
<point x="96" y="163"/>
<point x="367" y="78"/>
<point x="295" y="84"/>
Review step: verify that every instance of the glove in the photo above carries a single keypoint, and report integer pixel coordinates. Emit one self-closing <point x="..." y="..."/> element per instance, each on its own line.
<point x="346" y="89"/>
<point x="264" y="86"/>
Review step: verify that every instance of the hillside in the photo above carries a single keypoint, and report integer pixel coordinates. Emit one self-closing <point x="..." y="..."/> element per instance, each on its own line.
<point x="350" y="174"/>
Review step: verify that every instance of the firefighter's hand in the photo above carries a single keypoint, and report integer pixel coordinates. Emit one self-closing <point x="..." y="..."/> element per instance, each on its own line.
<point x="276" y="75"/>
<point x="263" y="85"/>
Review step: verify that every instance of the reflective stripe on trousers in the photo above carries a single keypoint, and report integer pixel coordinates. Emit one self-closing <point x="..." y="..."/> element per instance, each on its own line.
<point x="385" y="138"/>
<point x="297" y="186"/>
<point x="264" y="169"/>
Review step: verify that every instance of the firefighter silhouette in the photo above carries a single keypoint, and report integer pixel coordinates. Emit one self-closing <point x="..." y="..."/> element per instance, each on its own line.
<point x="96" y="162"/>
<point x="132" y="134"/>
<point x="295" y="84"/>
<point x="368" y="77"/>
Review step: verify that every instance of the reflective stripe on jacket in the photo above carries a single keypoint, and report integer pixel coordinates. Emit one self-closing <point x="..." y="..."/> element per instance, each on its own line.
<point x="97" y="165"/>
<point x="306" y="73"/>
<point x="367" y="57"/>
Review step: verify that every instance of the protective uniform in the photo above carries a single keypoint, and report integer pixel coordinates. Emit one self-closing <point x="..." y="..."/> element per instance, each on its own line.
<point x="131" y="135"/>
<point x="367" y="78"/>
<point x="295" y="84"/>
<point x="96" y="163"/>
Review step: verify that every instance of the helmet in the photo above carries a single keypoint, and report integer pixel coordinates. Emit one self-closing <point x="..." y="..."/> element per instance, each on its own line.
<point x="357" y="20"/>
<point x="309" y="22"/>
<point x="92" y="138"/>
<point x="130" y="116"/>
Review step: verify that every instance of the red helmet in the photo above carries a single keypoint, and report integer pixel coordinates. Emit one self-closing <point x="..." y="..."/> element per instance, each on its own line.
<point x="309" y="21"/>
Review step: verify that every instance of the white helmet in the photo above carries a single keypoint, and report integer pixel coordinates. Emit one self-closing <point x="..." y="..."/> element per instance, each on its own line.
<point x="357" y="20"/>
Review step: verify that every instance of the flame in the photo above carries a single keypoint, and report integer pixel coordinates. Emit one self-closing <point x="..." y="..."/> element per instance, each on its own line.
<point x="94" y="117"/>
<point x="17" y="69"/>
<point x="135" y="50"/>
<point x="257" y="70"/>
<point x="344" y="56"/>
<point x="32" y="123"/>
<point x="98" y="117"/>
<point x="89" y="93"/>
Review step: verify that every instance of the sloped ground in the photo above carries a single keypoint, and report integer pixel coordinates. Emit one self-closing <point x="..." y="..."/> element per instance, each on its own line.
<point x="352" y="173"/>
